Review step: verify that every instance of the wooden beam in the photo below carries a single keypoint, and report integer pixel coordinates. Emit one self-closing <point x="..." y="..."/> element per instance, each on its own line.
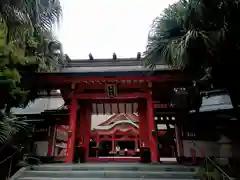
<point x="145" y="78"/>
<point x="111" y="111"/>
<point x="118" y="109"/>
<point x="96" y="86"/>
<point x="96" y="105"/>
<point x="104" y="111"/>
<point x="61" y="79"/>
<point x="100" y="96"/>
<point x="112" y="100"/>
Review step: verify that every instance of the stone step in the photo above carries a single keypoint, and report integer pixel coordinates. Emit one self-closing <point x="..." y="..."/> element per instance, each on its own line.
<point x="44" y="178"/>
<point x="110" y="174"/>
<point x="114" y="167"/>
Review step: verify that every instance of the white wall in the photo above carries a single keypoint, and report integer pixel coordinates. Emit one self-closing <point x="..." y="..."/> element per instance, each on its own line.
<point x="98" y="119"/>
<point x="41" y="148"/>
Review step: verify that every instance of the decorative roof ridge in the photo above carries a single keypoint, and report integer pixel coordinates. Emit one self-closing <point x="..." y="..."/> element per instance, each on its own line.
<point x="104" y="122"/>
<point x="132" y="61"/>
<point x="104" y="59"/>
<point x="106" y="127"/>
<point x="115" y="116"/>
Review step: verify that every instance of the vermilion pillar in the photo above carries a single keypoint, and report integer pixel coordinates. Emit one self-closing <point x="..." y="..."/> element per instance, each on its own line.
<point x="85" y="126"/>
<point x="136" y="143"/>
<point x="152" y="128"/>
<point x="88" y="127"/>
<point x="143" y="124"/>
<point x="82" y="124"/>
<point x="71" y="130"/>
<point x="97" y="140"/>
<point x="113" y="143"/>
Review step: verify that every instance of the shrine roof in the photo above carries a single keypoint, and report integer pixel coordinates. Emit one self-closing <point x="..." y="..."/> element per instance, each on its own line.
<point x="106" y="62"/>
<point x="40" y="105"/>
<point x="105" y="67"/>
<point x="215" y="103"/>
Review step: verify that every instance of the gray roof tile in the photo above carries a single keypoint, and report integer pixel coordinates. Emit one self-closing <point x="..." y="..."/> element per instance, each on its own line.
<point x="216" y="103"/>
<point x="40" y="105"/>
<point x="109" y="65"/>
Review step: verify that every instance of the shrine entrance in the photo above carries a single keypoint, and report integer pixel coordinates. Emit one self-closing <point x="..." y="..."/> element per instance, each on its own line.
<point x="114" y="132"/>
<point x="116" y="85"/>
<point x="98" y="142"/>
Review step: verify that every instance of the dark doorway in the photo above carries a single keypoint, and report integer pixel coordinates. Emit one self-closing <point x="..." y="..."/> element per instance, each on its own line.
<point x="130" y="145"/>
<point x="104" y="148"/>
<point x="167" y="144"/>
<point x="93" y="148"/>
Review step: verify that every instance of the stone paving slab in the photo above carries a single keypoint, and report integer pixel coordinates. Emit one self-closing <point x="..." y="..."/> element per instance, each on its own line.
<point x="114" y="171"/>
<point x="42" y="178"/>
<point x="110" y="174"/>
<point x="113" y="166"/>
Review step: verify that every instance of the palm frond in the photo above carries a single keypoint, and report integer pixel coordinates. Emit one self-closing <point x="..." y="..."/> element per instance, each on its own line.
<point x="10" y="126"/>
<point x="47" y="13"/>
<point x="181" y="32"/>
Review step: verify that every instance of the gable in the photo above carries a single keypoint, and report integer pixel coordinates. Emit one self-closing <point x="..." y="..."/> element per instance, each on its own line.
<point x="120" y="117"/>
<point x="117" y="130"/>
<point x="119" y="124"/>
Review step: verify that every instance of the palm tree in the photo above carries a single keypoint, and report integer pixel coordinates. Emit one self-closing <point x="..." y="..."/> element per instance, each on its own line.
<point x="26" y="26"/>
<point x="36" y="16"/>
<point x="199" y="35"/>
<point x="44" y="13"/>
<point x="10" y="126"/>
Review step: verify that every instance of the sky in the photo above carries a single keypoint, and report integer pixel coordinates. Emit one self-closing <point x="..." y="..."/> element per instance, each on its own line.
<point x="102" y="27"/>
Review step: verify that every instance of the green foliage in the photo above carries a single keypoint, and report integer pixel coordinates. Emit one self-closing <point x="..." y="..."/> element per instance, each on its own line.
<point x="189" y="33"/>
<point x="10" y="125"/>
<point x="24" y="40"/>
<point x="13" y="61"/>
<point x="201" y="37"/>
<point x="25" y="34"/>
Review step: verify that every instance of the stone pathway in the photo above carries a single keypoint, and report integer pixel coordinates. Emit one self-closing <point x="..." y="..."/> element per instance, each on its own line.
<point x="115" y="171"/>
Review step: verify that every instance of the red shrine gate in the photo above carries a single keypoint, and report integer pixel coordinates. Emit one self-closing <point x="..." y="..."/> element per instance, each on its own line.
<point x="84" y="82"/>
<point x="83" y="103"/>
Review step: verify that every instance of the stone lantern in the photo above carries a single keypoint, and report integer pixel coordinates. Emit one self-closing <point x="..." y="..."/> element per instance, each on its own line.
<point x="225" y="150"/>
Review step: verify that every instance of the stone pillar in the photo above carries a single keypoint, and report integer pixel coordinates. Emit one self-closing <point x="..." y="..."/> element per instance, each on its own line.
<point x="225" y="150"/>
